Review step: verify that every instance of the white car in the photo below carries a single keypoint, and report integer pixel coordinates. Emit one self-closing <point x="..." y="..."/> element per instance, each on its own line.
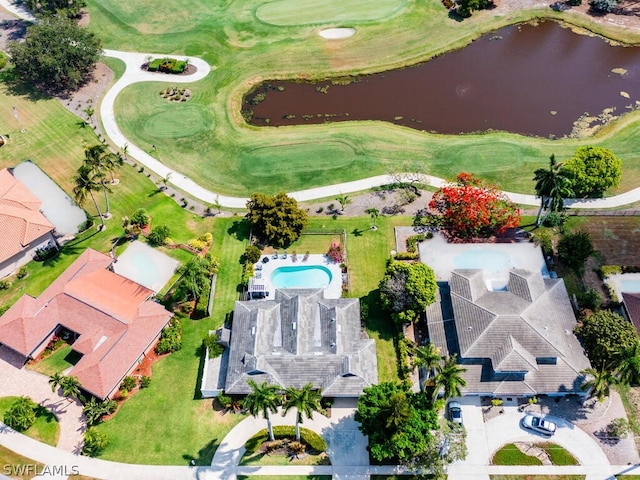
<point x="455" y="412"/>
<point x="539" y="424"/>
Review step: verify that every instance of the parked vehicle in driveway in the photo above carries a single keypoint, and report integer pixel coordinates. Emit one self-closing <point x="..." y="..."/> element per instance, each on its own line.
<point x="539" y="424"/>
<point x="455" y="412"/>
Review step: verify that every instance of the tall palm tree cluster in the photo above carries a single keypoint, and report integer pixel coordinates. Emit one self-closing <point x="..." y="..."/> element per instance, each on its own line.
<point x="90" y="177"/>
<point x="552" y="186"/>
<point x="265" y="399"/>
<point x="442" y="373"/>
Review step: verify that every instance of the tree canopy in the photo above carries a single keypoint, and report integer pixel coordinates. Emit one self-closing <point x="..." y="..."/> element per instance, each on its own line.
<point x="574" y="249"/>
<point x="70" y="8"/>
<point x="605" y="336"/>
<point x="398" y="423"/>
<point x="56" y="55"/>
<point x="407" y="289"/>
<point x="471" y="207"/>
<point x="593" y="170"/>
<point x="276" y="218"/>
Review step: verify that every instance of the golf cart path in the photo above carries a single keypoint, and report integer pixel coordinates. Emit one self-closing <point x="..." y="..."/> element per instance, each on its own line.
<point x="134" y="74"/>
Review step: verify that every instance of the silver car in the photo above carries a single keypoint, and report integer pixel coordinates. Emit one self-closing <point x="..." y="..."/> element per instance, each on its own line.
<point x="455" y="412"/>
<point x="539" y="424"/>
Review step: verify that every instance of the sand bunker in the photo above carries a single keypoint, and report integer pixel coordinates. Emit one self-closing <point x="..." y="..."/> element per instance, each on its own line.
<point x="333" y="33"/>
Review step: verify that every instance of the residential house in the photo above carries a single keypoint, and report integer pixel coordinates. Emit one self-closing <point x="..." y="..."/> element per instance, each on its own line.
<point x="111" y="320"/>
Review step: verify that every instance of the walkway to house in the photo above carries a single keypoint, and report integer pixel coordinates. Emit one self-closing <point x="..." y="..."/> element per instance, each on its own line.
<point x="18" y="381"/>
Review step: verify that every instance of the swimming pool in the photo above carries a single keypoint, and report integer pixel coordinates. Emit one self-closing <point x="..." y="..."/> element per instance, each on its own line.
<point x="146" y="266"/>
<point x="303" y="276"/>
<point x="491" y="261"/>
<point x="630" y="285"/>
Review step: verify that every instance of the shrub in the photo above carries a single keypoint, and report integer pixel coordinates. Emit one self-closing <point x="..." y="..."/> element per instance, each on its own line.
<point x="336" y="253"/>
<point x="603" y="6"/>
<point x="211" y="342"/>
<point x="159" y="235"/>
<point x="308" y="437"/>
<point x="618" y="428"/>
<point x="3" y="309"/>
<point x="3" y="60"/>
<point x="140" y="218"/>
<point x="145" y="381"/>
<point x="224" y="401"/>
<point x="95" y="443"/>
<point x="575" y="3"/>
<point x="5" y="284"/>
<point x="412" y="242"/>
<point x="406" y="256"/>
<point x="608" y="270"/>
<point x="198" y="245"/>
<point x="21" y="414"/>
<point x="22" y="273"/>
<point x="574" y="249"/>
<point x="252" y="254"/>
<point x="554" y="219"/>
<point x="45" y="253"/>
<point x="170" y="339"/>
<point x="590" y="299"/>
<point x="497" y="402"/>
<point x="128" y="384"/>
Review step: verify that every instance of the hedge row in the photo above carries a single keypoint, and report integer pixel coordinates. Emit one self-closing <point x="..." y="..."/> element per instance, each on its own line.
<point x="310" y="438"/>
<point x="168" y="65"/>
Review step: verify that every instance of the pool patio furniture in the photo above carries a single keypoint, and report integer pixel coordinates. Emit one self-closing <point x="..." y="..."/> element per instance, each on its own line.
<point x="275" y="255"/>
<point x="294" y="257"/>
<point x="284" y="255"/>
<point x="306" y="256"/>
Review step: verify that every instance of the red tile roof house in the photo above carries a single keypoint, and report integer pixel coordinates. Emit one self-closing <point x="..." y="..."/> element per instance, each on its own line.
<point x="23" y="228"/>
<point x="114" y="321"/>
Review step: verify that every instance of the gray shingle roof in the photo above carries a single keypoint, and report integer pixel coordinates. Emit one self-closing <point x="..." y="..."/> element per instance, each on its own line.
<point x="518" y="341"/>
<point x="301" y="337"/>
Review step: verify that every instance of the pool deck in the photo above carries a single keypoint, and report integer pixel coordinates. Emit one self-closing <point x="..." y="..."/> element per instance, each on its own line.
<point x="263" y="272"/>
<point x="444" y="257"/>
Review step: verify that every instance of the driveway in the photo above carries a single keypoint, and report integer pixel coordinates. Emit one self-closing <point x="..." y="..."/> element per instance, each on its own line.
<point x="17" y="381"/>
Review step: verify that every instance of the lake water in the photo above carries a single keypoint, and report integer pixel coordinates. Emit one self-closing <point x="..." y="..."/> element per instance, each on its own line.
<point x="535" y="80"/>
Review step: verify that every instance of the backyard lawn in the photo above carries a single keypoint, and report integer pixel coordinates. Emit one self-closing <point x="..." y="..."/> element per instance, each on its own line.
<point x="57" y="362"/>
<point x="45" y="429"/>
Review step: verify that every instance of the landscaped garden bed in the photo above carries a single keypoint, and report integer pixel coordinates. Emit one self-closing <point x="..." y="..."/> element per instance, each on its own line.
<point x="522" y="453"/>
<point x="167" y="65"/>
<point x="285" y="449"/>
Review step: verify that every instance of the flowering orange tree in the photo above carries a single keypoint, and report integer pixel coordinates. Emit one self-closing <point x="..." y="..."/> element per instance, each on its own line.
<point x="472" y="207"/>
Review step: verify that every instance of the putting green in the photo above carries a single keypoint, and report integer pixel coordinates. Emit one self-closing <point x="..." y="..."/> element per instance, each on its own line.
<point x="178" y="121"/>
<point x="278" y="160"/>
<point x="308" y="12"/>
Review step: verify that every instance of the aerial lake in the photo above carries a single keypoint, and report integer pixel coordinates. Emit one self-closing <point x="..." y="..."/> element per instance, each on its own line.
<point x="533" y="79"/>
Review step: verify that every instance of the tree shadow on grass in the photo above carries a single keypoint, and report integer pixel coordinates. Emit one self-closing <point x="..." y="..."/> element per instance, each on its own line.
<point x="204" y="456"/>
<point x="375" y="318"/>
<point x="240" y="229"/>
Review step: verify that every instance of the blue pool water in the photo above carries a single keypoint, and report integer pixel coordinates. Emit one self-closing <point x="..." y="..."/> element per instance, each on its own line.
<point x="307" y="276"/>
<point x="630" y="286"/>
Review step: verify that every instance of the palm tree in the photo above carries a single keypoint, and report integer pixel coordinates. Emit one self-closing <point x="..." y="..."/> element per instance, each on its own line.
<point x="552" y="186"/>
<point x="396" y="411"/>
<point x="263" y="399"/>
<point x="373" y="213"/>
<point x="125" y="151"/>
<point x="165" y="180"/>
<point x="100" y="160"/>
<point x="55" y="381"/>
<point x="427" y="357"/>
<point x="449" y="377"/>
<point x="343" y="200"/>
<point x="599" y="384"/>
<point x="305" y="400"/>
<point x="628" y="369"/>
<point x="70" y="386"/>
<point x="85" y="183"/>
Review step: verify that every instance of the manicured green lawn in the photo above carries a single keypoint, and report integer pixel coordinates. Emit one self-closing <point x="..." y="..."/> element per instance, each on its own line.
<point x="57" y="362"/>
<point x="258" y="458"/>
<point x="558" y="455"/>
<point x="241" y="40"/>
<point x="45" y="429"/>
<point x="17" y="465"/>
<point x="510" y="455"/>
